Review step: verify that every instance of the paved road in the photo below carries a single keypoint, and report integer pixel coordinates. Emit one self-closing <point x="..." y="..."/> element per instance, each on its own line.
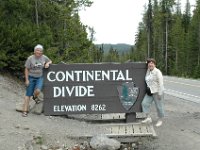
<point x="187" y="89"/>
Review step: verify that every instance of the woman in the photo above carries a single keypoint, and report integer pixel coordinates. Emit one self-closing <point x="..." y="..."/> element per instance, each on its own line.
<point x="34" y="75"/>
<point x="155" y="91"/>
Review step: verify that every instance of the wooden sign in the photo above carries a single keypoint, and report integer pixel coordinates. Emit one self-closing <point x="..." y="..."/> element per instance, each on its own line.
<point x="94" y="88"/>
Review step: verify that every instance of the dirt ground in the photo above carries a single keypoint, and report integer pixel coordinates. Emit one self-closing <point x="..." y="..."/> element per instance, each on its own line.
<point x="181" y="128"/>
<point x="180" y="131"/>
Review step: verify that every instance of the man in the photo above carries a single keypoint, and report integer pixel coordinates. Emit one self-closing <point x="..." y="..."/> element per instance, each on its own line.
<point x="34" y="75"/>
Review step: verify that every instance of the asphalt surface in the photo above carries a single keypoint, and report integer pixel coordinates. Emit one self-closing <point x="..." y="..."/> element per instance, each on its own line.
<point x="186" y="89"/>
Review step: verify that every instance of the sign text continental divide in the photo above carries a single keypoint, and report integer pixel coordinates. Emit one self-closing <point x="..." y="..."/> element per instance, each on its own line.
<point x="93" y="88"/>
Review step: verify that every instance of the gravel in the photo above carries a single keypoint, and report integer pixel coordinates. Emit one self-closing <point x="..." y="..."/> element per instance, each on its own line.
<point x="180" y="131"/>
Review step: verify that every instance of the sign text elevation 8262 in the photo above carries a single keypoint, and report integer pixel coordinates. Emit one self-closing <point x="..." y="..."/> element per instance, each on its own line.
<point x="94" y="88"/>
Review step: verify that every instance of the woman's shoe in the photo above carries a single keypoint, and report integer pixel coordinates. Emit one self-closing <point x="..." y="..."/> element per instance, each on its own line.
<point x="24" y="114"/>
<point x="159" y="123"/>
<point x="147" y="120"/>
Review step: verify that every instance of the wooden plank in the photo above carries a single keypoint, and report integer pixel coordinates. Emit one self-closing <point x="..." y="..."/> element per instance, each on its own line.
<point x="114" y="130"/>
<point x="151" y="130"/>
<point x="143" y="129"/>
<point x="130" y="130"/>
<point x="124" y="130"/>
<point x="136" y="129"/>
<point x="117" y="116"/>
<point x="140" y="115"/>
<point x="99" y="117"/>
<point x="121" y="130"/>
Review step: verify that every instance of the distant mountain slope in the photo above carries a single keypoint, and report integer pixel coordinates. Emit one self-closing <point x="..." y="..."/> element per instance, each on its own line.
<point x="119" y="47"/>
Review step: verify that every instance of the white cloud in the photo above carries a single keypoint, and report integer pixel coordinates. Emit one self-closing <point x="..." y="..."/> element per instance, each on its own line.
<point x="115" y="21"/>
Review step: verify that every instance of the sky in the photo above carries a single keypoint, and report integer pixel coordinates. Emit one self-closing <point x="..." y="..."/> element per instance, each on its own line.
<point x="116" y="21"/>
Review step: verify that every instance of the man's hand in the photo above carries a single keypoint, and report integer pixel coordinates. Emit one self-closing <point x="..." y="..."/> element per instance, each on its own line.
<point x="27" y="82"/>
<point x="46" y="65"/>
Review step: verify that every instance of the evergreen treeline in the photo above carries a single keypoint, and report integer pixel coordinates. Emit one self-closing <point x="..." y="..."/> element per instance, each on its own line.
<point x="53" y="23"/>
<point x="120" y="47"/>
<point x="171" y="36"/>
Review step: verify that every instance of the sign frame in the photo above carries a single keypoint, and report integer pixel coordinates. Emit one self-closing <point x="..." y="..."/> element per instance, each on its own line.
<point x="107" y="85"/>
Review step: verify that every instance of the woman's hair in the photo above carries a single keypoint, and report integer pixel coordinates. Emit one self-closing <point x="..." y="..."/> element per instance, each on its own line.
<point x="151" y="60"/>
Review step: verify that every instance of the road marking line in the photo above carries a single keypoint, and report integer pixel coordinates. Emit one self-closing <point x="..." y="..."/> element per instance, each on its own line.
<point x="183" y="83"/>
<point x="179" y="78"/>
<point x="169" y="90"/>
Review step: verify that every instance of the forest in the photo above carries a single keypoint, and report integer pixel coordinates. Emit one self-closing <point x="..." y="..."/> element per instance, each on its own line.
<point x="171" y="36"/>
<point x="167" y="33"/>
<point x="53" y="23"/>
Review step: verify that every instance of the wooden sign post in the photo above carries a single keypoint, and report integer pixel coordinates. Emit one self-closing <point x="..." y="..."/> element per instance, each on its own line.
<point x="94" y="88"/>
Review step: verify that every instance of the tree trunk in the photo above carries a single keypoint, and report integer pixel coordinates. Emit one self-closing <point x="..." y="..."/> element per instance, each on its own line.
<point x="198" y="59"/>
<point x="36" y="13"/>
<point x="166" y="45"/>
